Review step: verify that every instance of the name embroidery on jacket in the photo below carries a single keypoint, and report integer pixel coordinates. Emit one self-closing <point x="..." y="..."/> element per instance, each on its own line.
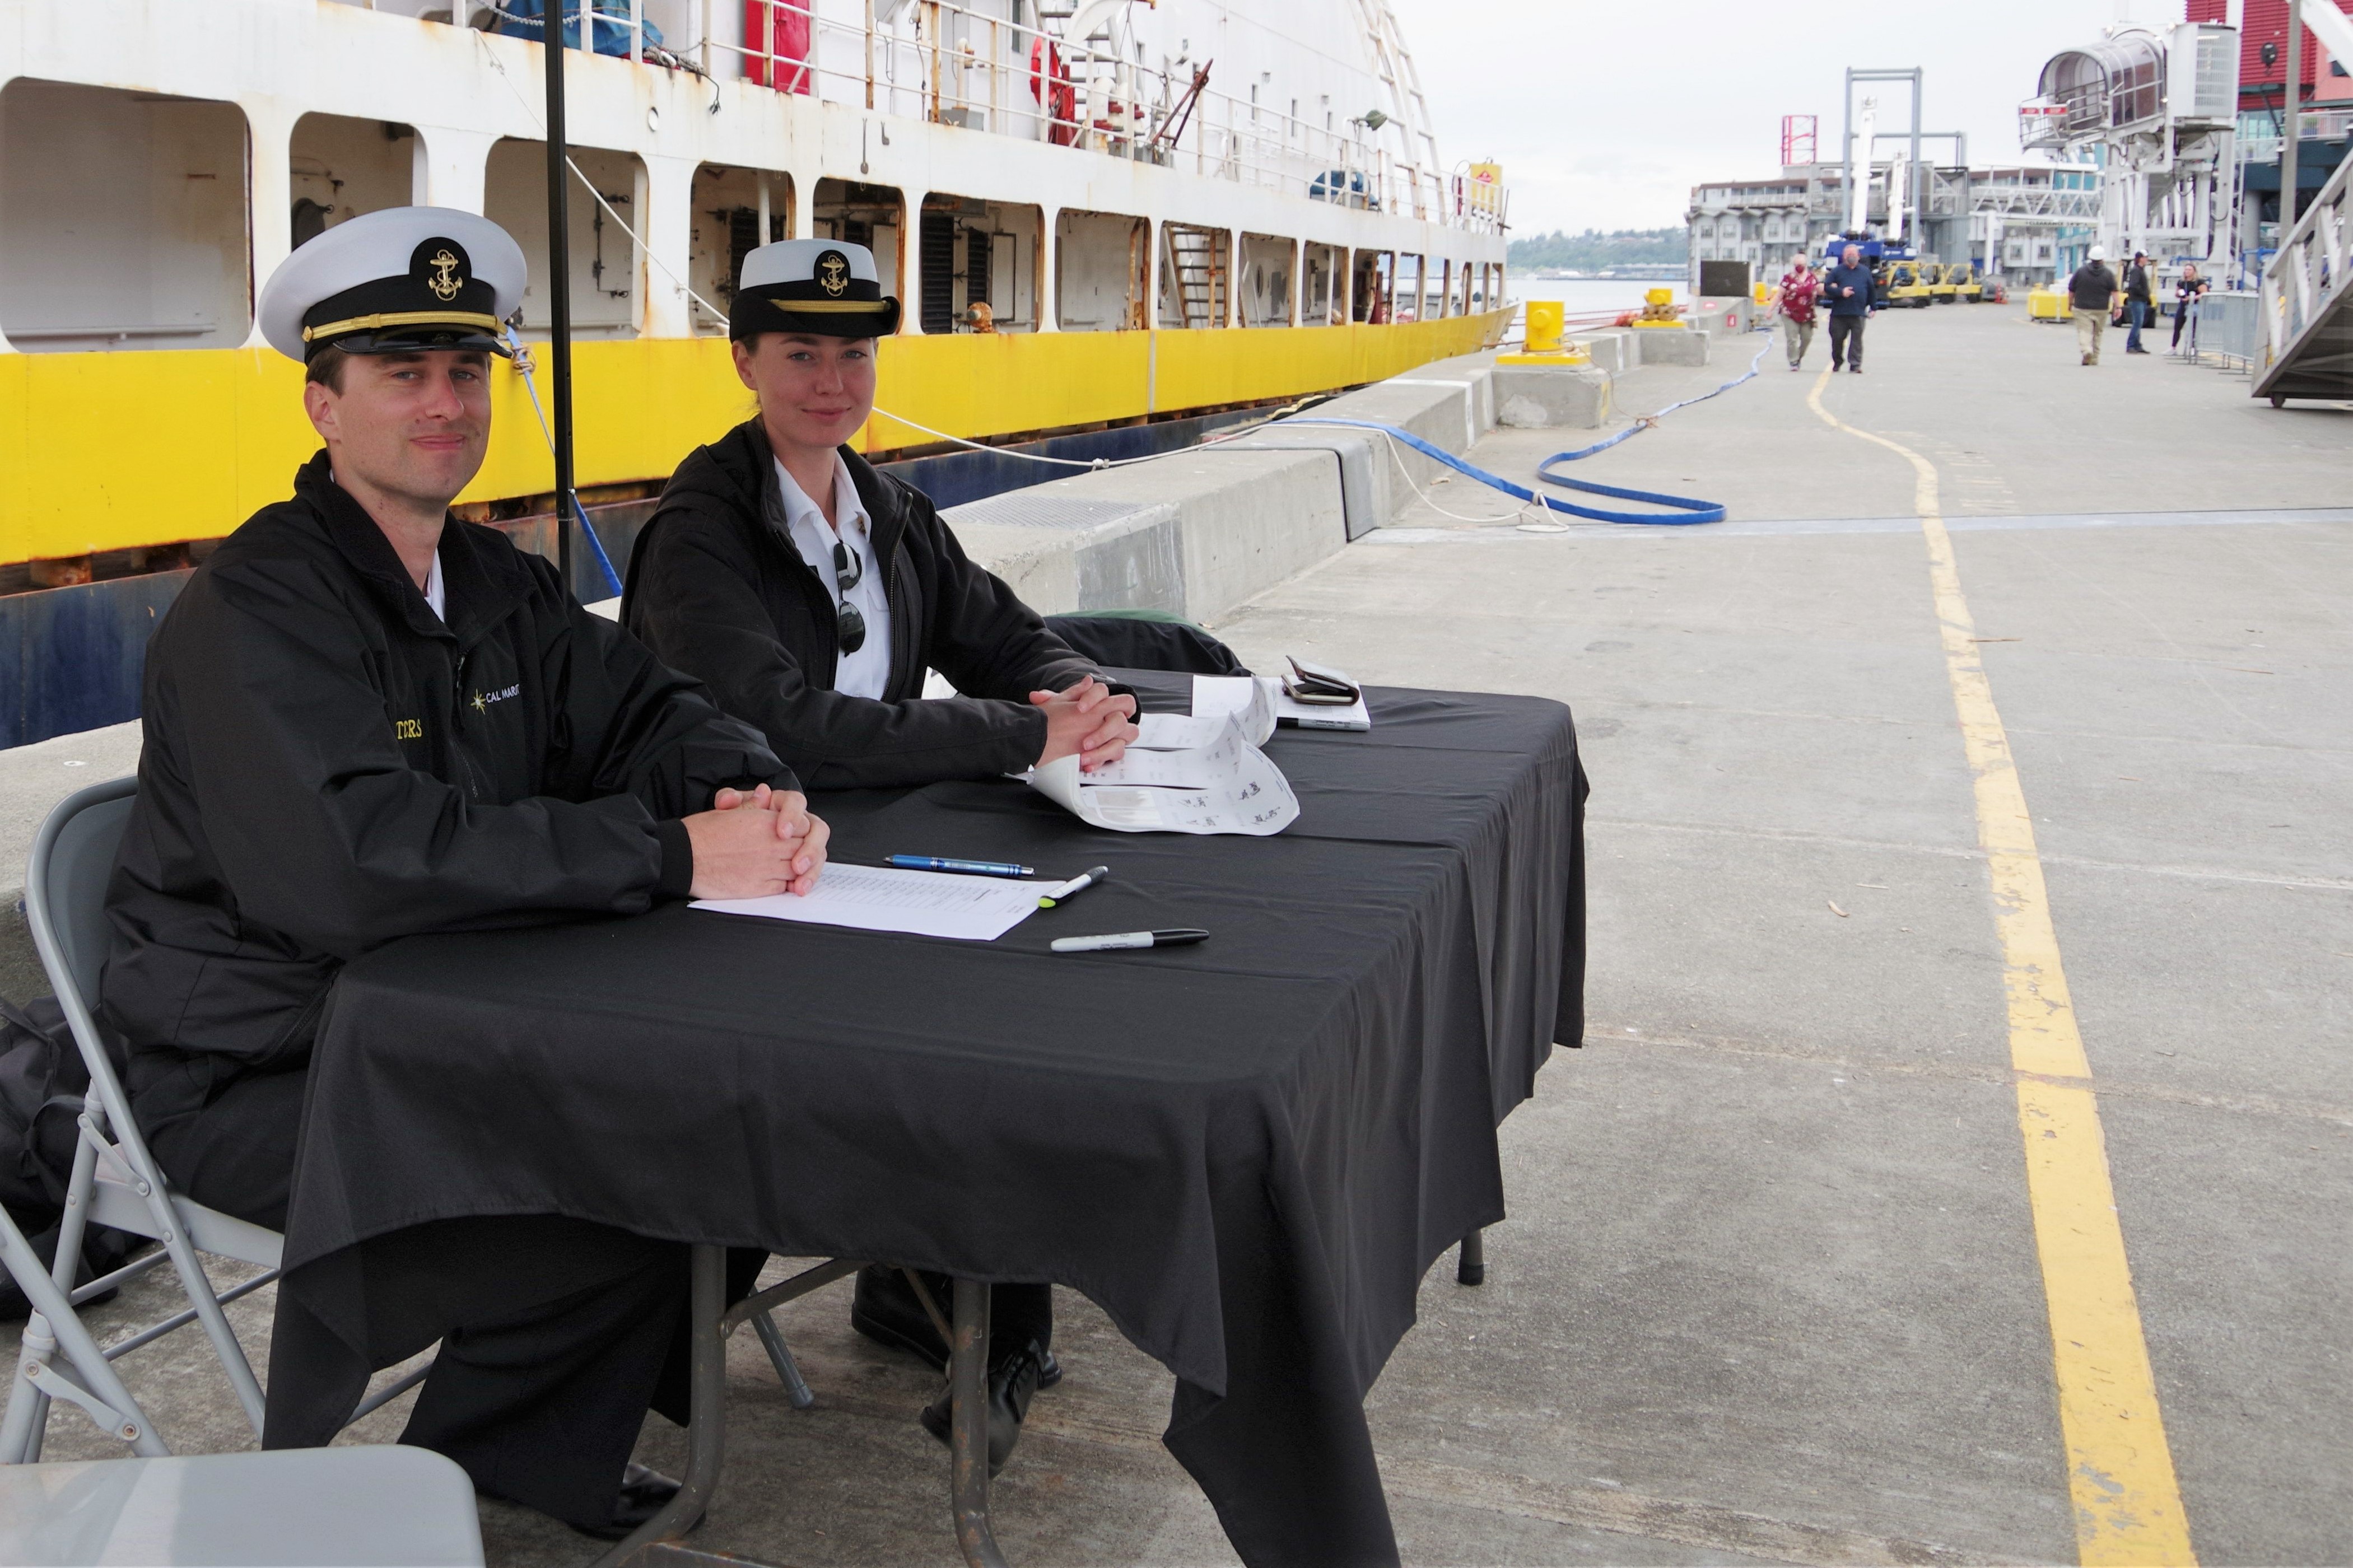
<point x="482" y="699"/>
<point x="407" y="730"/>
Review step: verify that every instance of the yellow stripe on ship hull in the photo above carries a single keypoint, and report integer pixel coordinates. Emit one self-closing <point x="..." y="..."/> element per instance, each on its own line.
<point x="110" y="451"/>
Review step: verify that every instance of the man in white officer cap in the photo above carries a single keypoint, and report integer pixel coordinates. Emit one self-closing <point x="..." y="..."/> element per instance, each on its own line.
<point x="812" y="592"/>
<point x="364" y="720"/>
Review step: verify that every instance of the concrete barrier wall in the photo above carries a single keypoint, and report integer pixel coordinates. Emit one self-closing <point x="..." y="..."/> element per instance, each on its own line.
<point x="1200" y="532"/>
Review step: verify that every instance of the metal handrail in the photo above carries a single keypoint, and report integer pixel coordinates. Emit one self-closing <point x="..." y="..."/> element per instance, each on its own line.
<point x="2308" y="271"/>
<point x="1226" y="137"/>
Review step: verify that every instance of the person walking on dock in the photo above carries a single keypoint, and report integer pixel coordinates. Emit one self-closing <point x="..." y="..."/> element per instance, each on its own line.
<point x="2186" y="294"/>
<point x="2092" y="293"/>
<point x="1794" y="297"/>
<point x="1848" y="289"/>
<point x="2140" y="301"/>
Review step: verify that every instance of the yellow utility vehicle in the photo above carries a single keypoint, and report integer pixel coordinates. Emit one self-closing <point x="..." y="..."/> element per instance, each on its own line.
<point x="1908" y="285"/>
<point x="1968" y="287"/>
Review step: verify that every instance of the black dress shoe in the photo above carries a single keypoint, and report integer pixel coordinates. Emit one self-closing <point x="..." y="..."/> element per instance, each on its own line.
<point x="884" y="1309"/>
<point x="1012" y="1382"/>
<point x="644" y="1493"/>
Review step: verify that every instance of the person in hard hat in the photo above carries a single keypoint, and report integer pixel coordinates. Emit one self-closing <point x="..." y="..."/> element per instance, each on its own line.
<point x="364" y="720"/>
<point x="2091" y="295"/>
<point x="813" y="593"/>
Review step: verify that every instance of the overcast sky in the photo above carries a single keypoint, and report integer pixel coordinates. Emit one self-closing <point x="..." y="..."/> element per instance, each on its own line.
<point x="1605" y="115"/>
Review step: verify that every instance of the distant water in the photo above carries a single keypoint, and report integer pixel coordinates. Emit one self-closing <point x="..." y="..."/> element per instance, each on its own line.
<point x="1587" y="296"/>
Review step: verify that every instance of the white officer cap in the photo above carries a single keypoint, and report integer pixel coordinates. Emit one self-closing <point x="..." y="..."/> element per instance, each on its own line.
<point x="827" y="287"/>
<point x="396" y="281"/>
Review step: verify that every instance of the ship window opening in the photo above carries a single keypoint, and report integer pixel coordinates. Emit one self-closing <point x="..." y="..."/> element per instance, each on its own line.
<point x="1461" y="304"/>
<point x="1412" y="290"/>
<point x="871" y="216"/>
<point x="126" y="220"/>
<point x="1268" y="264"/>
<point x="725" y="227"/>
<point x="1196" y="276"/>
<point x="1370" y="300"/>
<point x="979" y="263"/>
<point x="1321" y="300"/>
<point x="606" y="299"/>
<point x="1100" y="262"/>
<point x="343" y="167"/>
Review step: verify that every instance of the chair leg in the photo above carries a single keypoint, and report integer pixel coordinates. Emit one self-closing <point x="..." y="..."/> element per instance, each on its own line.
<point x="1471" y="1267"/>
<point x="780" y="1356"/>
<point x="28" y="1407"/>
<point x="706" y="1429"/>
<point x="51" y="1328"/>
<point x="969" y="1425"/>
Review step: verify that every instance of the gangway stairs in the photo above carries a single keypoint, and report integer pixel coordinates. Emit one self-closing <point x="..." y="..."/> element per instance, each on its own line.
<point x="2307" y="322"/>
<point x="1193" y="263"/>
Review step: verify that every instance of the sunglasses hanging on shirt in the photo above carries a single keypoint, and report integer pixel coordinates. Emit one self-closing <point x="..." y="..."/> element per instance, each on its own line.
<point x="848" y="569"/>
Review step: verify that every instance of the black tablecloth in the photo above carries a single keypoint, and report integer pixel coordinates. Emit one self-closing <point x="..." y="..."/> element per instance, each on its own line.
<point x="1248" y="1153"/>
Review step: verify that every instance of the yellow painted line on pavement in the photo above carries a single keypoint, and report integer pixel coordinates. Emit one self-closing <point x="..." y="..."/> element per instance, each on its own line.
<point x="2129" y="1510"/>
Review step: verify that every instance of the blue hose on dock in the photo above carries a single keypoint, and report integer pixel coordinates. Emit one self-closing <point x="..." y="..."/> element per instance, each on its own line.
<point x="1693" y="509"/>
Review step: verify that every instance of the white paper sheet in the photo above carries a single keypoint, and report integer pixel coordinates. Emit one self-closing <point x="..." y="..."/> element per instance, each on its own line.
<point x="884" y="898"/>
<point x="1241" y="791"/>
<point x="1175" y="733"/>
<point x="1249" y="698"/>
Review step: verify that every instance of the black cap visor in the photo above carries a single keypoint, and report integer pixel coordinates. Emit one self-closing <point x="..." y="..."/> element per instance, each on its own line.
<point x="754" y="313"/>
<point x="418" y="340"/>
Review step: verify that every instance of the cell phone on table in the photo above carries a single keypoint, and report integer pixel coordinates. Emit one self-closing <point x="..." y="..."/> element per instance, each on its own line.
<point x="1319" y="686"/>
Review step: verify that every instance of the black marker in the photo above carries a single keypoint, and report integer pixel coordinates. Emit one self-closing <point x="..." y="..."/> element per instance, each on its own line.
<point x="1180" y="937"/>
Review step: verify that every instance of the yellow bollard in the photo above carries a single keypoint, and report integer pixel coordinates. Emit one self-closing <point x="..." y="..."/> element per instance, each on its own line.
<point x="1543" y="346"/>
<point x="1544" y="326"/>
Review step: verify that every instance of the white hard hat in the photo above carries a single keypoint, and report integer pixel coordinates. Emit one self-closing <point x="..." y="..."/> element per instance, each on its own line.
<point x="2099" y="253"/>
<point x="397" y="280"/>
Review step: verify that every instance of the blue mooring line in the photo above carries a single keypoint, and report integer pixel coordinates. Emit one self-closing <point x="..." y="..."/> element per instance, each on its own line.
<point x="1698" y="511"/>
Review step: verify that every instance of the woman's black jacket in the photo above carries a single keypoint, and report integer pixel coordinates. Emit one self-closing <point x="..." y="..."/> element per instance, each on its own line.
<point x="718" y="589"/>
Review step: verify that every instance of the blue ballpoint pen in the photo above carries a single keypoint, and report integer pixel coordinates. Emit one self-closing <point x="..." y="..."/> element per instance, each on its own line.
<point x="966" y="867"/>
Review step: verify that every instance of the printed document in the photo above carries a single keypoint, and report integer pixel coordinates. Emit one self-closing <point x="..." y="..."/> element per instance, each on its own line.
<point x="884" y="898"/>
<point x="1214" y="695"/>
<point x="1227" y="785"/>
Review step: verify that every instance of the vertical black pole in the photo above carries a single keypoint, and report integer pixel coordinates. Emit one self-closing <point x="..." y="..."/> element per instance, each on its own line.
<point x="559" y="278"/>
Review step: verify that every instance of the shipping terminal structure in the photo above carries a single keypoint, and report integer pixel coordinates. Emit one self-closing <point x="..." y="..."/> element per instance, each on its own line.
<point x="1115" y="221"/>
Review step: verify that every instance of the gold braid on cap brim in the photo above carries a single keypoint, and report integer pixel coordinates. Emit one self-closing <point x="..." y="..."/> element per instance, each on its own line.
<point x="833" y="307"/>
<point x="376" y="323"/>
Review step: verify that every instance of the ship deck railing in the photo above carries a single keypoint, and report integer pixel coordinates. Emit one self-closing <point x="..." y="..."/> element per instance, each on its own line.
<point x="1123" y="109"/>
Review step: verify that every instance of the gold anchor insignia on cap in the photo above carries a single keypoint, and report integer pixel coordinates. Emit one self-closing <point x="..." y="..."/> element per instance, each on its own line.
<point x="833" y="273"/>
<point x="444" y="282"/>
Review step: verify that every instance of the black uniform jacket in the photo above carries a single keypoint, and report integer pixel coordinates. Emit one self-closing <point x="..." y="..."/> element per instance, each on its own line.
<point x="718" y="589"/>
<point x="327" y="767"/>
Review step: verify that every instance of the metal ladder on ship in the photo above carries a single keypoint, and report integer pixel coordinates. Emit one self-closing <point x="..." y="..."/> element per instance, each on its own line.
<point x="1196" y="268"/>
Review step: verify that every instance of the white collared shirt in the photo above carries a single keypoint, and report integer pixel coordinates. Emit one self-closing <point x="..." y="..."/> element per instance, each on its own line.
<point x="867" y="672"/>
<point x="437" y="593"/>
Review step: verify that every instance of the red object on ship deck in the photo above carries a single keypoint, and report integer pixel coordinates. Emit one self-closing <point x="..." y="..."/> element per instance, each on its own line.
<point x="777" y="32"/>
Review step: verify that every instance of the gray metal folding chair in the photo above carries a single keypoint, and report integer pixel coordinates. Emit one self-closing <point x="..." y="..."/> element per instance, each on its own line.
<point x="115" y="1180"/>
<point x="313" y="1508"/>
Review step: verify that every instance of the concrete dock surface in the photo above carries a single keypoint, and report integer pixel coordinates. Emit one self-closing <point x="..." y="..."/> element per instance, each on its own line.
<point x="1770" y="1288"/>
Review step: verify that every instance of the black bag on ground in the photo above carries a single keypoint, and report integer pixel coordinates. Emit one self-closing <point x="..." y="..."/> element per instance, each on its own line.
<point x="42" y="1082"/>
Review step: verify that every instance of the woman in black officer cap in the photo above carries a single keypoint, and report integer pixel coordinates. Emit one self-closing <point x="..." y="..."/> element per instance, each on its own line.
<point x="811" y="594"/>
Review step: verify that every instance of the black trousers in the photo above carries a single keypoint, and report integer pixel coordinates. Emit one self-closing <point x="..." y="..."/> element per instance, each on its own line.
<point x="556" y="1335"/>
<point x="1846" y="341"/>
